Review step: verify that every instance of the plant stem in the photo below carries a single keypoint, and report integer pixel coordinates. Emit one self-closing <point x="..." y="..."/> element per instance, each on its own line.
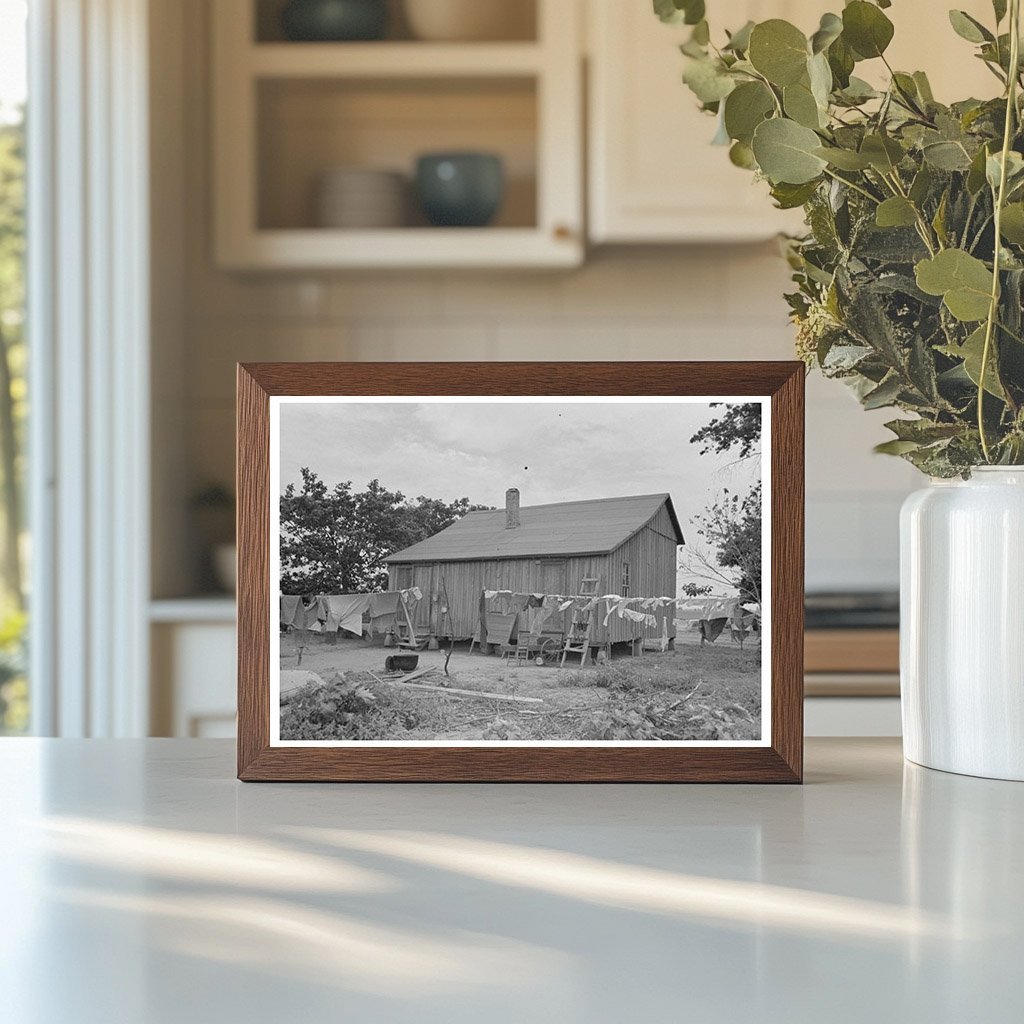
<point x="855" y="187"/>
<point x="993" y="309"/>
<point x="923" y="228"/>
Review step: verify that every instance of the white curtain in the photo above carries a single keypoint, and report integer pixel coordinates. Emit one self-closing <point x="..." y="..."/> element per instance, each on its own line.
<point x="88" y="319"/>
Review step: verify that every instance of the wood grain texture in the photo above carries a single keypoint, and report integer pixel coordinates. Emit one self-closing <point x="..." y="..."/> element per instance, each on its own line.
<point x="852" y="650"/>
<point x="781" y="762"/>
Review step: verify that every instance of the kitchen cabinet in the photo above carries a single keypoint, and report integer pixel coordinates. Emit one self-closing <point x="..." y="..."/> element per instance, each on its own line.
<point x="286" y="113"/>
<point x="192" y="647"/>
<point x="653" y="175"/>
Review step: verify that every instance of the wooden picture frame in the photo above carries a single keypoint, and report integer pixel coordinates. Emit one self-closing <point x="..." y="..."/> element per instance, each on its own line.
<point x="780" y="385"/>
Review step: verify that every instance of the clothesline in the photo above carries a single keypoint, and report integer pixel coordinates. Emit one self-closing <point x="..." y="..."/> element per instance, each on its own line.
<point x="327" y="613"/>
<point x="707" y="605"/>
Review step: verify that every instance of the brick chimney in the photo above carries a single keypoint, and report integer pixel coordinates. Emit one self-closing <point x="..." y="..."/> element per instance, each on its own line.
<point x="512" y="508"/>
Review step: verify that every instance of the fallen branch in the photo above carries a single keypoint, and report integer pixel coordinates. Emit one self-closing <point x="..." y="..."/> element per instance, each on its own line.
<point x="414" y="675"/>
<point x="451" y="690"/>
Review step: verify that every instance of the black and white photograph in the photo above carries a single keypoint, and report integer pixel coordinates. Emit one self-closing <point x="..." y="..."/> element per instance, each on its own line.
<point x="483" y="571"/>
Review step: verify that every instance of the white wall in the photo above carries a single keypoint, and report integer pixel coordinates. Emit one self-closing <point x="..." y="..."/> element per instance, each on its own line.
<point x="667" y="303"/>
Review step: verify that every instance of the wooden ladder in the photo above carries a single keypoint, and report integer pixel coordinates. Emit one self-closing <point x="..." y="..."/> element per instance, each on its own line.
<point x="578" y="639"/>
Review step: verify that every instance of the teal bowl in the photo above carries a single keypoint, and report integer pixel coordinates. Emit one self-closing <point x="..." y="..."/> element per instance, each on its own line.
<point x="334" y="21"/>
<point x="460" y="190"/>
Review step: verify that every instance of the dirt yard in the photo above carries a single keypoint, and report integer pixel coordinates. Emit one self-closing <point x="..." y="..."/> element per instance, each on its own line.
<point x="693" y="693"/>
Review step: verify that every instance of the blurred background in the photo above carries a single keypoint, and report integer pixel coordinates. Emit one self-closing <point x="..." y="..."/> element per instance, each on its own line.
<point x="255" y="180"/>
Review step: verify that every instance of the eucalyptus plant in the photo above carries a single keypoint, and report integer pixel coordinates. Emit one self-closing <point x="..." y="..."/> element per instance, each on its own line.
<point x="909" y="280"/>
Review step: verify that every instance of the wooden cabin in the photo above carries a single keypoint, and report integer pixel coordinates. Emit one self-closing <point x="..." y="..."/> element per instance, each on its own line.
<point x="627" y="545"/>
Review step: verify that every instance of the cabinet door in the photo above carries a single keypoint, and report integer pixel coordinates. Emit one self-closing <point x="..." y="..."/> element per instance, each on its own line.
<point x="654" y="175"/>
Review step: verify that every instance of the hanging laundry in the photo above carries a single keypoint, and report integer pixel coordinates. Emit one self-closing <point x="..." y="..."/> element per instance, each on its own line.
<point x="289" y="606"/>
<point x="539" y="617"/>
<point x="384" y="604"/>
<point x="306" y="614"/>
<point x="345" y="611"/>
<point x="616" y="605"/>
<point x="711" y="629"/>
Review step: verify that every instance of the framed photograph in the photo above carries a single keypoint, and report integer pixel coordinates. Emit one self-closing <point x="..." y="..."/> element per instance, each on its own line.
<point x="547" y="572"/>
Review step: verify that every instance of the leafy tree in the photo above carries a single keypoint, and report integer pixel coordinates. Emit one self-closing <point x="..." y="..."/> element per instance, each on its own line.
<point x="732" y="528"/>
<point x="739" y="425"/>
<point x="334" y="541"/>
<point x="731" y="525"/>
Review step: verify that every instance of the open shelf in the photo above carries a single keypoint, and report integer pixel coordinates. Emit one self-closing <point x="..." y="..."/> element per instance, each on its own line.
<point x="393" y="60"/>
<point x="288" y="113"/>
<point x="520" y="17"/>
<point x="308" y="127"/>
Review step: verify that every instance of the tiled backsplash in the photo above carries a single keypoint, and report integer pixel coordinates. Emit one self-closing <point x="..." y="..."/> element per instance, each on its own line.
<point x="703" y="303"/>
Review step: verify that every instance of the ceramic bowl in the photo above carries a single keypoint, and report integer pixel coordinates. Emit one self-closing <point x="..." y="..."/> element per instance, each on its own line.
<point x="460" y="189"/>
<point x="334" y="20"/>
<point x="469" y="20"/>
<point x="359" y="197"/>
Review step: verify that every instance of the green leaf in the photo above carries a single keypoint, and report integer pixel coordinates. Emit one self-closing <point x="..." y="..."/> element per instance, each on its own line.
<point x="963" y="281"/>
<point x="896" y="447"/>
<point x="923" y="431"/>
<point x="946" y="156"/>
<point x="841" y="60"/>
<point x="741" y="155"/>
<point x="971" y="352"/>
<point x="858" y="91"/>
<point x="844" y="159"/>
<point x="976" y="173"/>
<point x="708" y="80"/>
<point x="785" y="152"/>
<point x="778" y="50"/>
<point x="745" y="108"/>
<point x="789" y="197"/>
<point x="800" y="105"/>
<point x="921" y="185"/>
<point x="924" y="87"/>
<point x="820" y="76"/>
<point x="829" y="30"/>
<point x="1014" y="169"/>
<point x="675" y="12"/>
<point x="883" y="153"/>
<point x="969" y="28"/>
<point x="739" y="41"/>
<point x="1012" y="225"/>
<point x="866" y="29"/>
<point x="896" y="212"/>
<point x="939" y="220"/>
<point x="885" y="394"/>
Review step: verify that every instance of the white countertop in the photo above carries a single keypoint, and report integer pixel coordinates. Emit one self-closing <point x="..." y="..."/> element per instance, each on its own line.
<point x="143" y="885"/>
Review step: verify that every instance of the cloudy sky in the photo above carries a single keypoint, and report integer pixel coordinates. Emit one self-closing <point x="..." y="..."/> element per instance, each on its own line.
<point x="551" y="451"/>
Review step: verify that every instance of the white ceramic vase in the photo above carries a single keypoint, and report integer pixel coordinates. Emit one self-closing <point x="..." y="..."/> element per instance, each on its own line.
<point x="962" y="624"/>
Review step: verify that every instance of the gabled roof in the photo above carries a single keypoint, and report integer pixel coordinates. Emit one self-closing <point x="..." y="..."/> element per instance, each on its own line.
<point x="568" y="528"/>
